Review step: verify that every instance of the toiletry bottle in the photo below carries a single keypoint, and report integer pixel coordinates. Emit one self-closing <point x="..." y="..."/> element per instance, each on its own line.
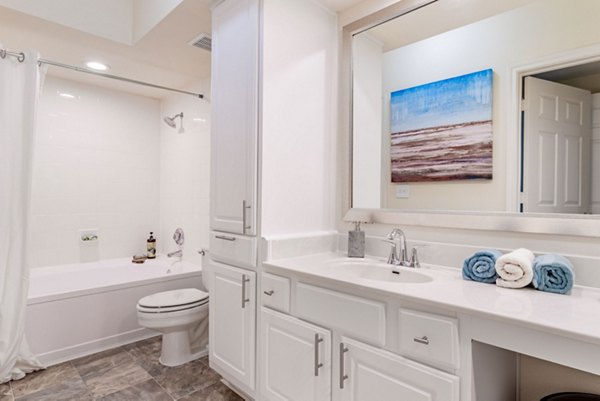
<point x="151" y="246"/>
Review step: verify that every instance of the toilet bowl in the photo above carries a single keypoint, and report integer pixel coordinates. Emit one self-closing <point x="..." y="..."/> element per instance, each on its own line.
<point x="173" y="313"/>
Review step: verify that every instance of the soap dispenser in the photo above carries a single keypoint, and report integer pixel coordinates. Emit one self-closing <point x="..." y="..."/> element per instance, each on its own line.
<point x="356" y="237"/>
<point x="151" y="246"/>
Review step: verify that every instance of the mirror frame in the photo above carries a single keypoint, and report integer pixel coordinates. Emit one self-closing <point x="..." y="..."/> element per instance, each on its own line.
<point x="533" y="223"/>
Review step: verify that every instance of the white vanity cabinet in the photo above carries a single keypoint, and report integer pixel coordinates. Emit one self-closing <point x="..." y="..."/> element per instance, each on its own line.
<point x="234" y="121"/>
<point x="295" y="359"/>
<point x="368" y="373"/>
<point x="364" y="357"/>
<point x="232" y="335"/>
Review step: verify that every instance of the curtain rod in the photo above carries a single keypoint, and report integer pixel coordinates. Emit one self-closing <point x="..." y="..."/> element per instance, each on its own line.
<point x="21" y="57"/>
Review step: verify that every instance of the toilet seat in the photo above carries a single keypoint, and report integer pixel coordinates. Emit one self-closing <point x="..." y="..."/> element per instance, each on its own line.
<point x="172" y="301"/>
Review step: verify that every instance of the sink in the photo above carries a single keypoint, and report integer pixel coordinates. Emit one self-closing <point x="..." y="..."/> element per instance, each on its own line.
<point x="382" y="272"/>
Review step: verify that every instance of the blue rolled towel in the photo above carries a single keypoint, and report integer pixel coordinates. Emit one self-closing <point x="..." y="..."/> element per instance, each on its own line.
<point x="481" y="266"/>
<point x="553" y="273"/>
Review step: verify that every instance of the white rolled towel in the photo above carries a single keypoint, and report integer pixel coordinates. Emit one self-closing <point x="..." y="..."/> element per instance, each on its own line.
<point x="515" y="269"/>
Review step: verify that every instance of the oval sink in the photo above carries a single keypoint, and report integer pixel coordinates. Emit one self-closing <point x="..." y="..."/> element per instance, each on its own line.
<point x="379" y="272"/>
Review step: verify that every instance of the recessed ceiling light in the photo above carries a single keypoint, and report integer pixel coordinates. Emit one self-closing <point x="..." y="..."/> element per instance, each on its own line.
<point x="96" y="65"/>
<point x="67" y="95"/>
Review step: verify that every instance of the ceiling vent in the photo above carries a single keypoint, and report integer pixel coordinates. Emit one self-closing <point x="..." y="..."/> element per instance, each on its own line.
<point x="202" y="41"/>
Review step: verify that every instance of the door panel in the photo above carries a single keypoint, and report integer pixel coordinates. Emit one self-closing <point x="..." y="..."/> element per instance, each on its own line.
<point x="290" y="352"/>
<point x="557" y="148"/>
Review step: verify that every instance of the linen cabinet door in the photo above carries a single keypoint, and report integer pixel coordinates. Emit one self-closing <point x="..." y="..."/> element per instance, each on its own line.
<point x="295" y="359"/>
<point x="368" y="373"/>
<point x="232" y="324"/>
<point x="234" y="121"/>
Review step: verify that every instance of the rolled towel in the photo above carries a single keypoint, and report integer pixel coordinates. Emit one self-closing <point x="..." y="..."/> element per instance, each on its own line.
<point x="553" y="273"/>
<point x="515" y="269"/>
<point x="481" y="266"/>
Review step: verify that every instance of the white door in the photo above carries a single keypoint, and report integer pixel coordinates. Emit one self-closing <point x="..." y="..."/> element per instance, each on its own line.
<point x="234" y="123"/>
<point x="557" y="133"/>
<point x="368" y="374"/>
<point x="295" y="359"/>
<point x="232" y="320"/>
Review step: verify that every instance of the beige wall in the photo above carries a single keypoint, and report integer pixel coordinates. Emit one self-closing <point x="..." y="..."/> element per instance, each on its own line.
<point x="539" y="378"/>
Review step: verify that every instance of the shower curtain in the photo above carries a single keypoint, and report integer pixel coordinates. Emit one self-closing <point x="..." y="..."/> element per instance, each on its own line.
<point x="20" y="83"/>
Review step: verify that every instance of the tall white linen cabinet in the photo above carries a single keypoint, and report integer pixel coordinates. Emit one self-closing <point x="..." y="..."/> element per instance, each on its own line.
<point x="273" y="91"/>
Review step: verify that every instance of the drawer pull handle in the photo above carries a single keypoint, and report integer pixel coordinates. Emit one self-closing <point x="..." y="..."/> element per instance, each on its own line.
<point x="245" y="279"/>
<point x="317" y="363"/>
<point x="343" y="376"/>
<point x="421" y="340"/>
<point x="269" y="293"/>
<point x="223" y="237"/>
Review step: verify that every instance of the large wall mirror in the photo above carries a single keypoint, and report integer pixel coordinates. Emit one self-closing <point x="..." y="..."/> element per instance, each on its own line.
<point x="438" y="120"/>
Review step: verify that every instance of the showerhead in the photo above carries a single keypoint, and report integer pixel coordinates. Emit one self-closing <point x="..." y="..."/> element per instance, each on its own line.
<point x="170" y="121"/>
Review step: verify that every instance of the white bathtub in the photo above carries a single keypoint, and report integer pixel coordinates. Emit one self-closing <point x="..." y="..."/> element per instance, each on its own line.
<point x="76" y="310"/>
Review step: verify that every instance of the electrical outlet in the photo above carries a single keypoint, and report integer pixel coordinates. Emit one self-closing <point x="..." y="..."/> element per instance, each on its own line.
<point x="403" y="191"/>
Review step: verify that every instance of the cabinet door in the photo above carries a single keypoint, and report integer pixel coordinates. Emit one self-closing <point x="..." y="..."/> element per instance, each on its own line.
<point x="234" y="116"/>
<point x="368" y="373"/>
<point x="295" y="359"/>
<point x="232" y="320"/>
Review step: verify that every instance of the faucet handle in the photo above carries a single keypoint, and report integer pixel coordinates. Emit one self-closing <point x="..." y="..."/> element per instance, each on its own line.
<point x="414" y="257"/>
<point x="393" y="258"/>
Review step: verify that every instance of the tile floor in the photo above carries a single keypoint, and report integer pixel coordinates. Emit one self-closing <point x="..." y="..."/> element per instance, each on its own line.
<point x="128" y="373"/>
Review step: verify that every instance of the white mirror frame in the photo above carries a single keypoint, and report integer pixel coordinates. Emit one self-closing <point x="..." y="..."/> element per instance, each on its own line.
<point x="559" y="224"/>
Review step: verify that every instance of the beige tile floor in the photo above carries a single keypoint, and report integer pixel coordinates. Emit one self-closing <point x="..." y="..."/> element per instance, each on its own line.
<point x="128" y="373"/>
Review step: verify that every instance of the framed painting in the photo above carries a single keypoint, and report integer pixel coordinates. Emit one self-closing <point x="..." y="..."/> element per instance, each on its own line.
<point x="442" y="131"/>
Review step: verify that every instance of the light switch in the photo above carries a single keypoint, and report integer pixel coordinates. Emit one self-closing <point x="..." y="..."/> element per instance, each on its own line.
<point x="402" y="191"/>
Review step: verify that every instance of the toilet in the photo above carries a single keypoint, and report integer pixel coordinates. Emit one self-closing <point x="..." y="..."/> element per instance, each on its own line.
<point x="174" y="313"/>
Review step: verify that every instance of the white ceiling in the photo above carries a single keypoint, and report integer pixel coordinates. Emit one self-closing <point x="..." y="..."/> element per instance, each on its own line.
<point x="161" y="56"/>
<point x="339" y="5"/>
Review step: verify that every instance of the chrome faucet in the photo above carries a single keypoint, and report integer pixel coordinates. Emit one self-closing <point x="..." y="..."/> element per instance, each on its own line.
<point x="178" y="253"/>
<point x="398" y="240"/>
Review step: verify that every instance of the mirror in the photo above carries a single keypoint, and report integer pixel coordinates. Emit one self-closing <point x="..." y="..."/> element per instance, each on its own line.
<point x="410" y="73"/>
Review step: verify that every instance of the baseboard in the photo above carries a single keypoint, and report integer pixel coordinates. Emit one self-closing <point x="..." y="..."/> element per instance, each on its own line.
<point x="91" y="347"/>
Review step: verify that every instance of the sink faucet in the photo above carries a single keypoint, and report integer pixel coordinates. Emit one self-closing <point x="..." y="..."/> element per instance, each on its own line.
<point x="178" y="253"/>
<point x="397" y="235"/>
<point x="398" y="240"/>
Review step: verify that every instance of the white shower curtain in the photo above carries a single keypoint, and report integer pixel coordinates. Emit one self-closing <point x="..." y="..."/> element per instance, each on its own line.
<point x="19" y="91"/>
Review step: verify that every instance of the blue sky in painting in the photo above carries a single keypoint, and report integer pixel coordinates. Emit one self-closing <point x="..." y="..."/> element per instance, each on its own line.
<point x="452" y="101"/>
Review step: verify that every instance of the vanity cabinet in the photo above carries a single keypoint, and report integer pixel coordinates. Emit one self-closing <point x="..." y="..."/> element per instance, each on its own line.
<point x="340" y="346"/>
<point x="232" y="334"/>
<point x="295" y="359"/>
<point x="234" y="121"/>
<point x="369" y="373"/>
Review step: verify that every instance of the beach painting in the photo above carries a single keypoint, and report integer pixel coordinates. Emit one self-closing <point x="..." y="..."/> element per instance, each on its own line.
<point x="442" y="131"/>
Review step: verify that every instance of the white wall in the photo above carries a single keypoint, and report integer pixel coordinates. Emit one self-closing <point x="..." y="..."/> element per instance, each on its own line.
<point x="298" y="117"/>
<point x="110" y="19"/>
<point x="367" y="70"/>
<point x="184" y="173"/>
<point x="502" y="42"/>
<point x="96" y="165"/>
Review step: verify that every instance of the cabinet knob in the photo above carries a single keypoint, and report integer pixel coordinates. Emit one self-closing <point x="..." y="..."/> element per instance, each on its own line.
<point x="269" y="293"/>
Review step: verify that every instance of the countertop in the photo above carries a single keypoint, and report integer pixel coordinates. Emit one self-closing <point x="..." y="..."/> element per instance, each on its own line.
<point x="575" y="315"/>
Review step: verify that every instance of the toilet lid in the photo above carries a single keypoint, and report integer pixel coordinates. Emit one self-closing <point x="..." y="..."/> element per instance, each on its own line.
<point x="175" y="298"/>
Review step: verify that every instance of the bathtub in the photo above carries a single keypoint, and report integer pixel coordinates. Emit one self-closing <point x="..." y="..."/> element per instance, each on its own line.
<point x="76" y="310"/>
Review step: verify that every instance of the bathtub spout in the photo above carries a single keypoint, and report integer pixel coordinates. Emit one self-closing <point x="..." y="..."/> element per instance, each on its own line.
<point x="178" y="253"/>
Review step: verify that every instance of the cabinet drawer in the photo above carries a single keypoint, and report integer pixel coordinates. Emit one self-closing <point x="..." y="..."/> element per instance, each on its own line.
<point x="276" y="292"/>
<point x="232" y="248"/>
<point x="355" y="316"/>
<point x="430" y="338"/>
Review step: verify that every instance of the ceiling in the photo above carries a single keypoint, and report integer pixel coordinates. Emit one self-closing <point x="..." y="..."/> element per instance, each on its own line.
<point x="437" y="18"/>
<point x="145" y="40"/>
<point x="161" y="56"/>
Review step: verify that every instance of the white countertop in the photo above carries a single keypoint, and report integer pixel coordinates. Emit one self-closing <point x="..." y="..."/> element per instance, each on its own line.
<point x="575" y="315"/>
